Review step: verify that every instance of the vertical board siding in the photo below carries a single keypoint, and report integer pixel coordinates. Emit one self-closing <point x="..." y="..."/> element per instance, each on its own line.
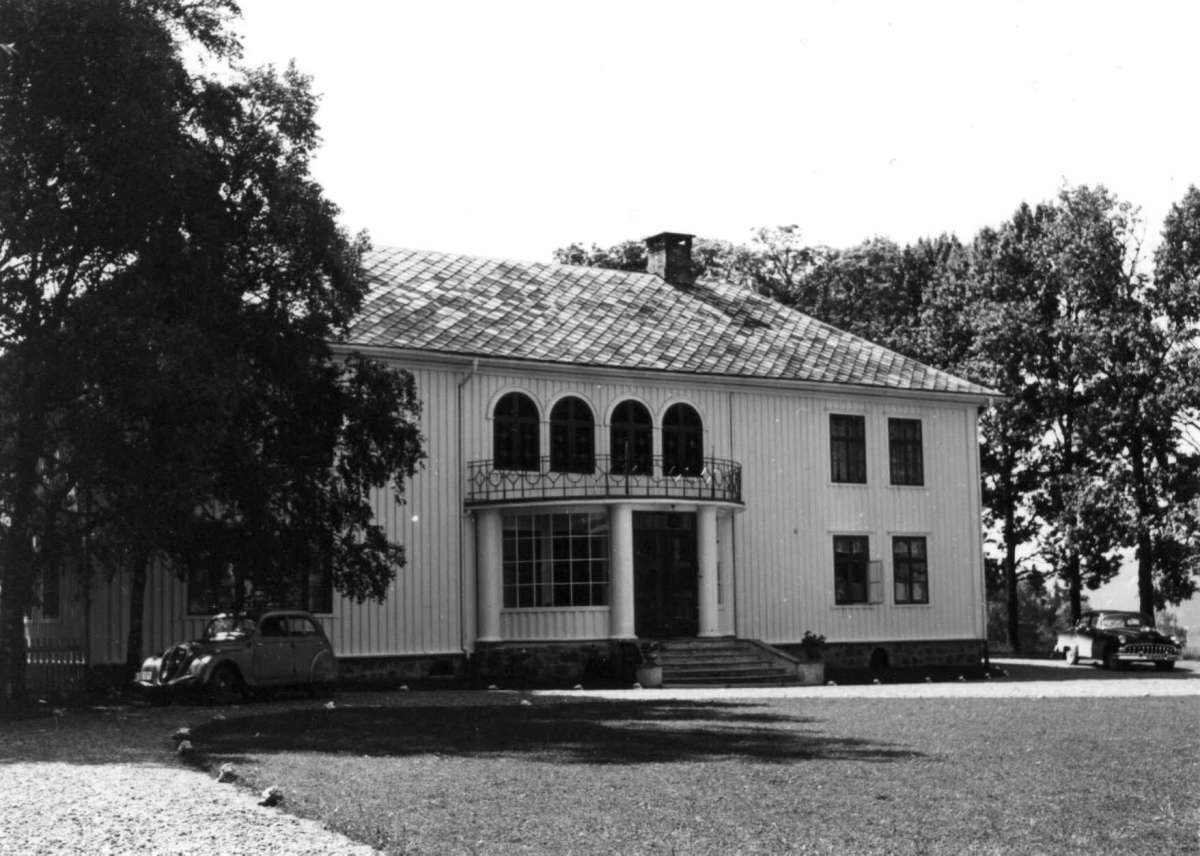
<point x="421" y="613"/>
<point x="784" y="541"/>
<point x="781" y="580"/>
<point x="537" y="624"/>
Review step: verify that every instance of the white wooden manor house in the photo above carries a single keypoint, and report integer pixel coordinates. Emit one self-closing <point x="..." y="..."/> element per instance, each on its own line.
<point x="620" y="456"/>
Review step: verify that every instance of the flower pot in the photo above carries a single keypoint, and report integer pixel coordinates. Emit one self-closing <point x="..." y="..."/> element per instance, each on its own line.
<point x="649" y="675"/>
<point x="811" y="671"/>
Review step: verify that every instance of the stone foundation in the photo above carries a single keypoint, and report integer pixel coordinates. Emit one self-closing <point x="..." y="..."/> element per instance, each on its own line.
<point x="394" y="671"/>
<point x="557" y="664"/>
<point x="905" y="654"/>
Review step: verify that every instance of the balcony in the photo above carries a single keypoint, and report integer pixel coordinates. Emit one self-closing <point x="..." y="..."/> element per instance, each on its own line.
<point x="717" y="480"/>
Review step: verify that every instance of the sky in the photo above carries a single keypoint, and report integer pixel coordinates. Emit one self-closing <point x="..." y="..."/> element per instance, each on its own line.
<point x="510" y="128"/>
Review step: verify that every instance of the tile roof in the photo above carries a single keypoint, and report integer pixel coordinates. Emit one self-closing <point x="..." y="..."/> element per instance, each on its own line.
<point x="583" y="316"/>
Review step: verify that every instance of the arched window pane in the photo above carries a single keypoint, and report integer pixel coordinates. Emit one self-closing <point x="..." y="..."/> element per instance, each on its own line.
<point x="572" y="437"/>
<point x="515" y="433"/>
<point x="631" y="439"/>
<point x="683" y="441"/>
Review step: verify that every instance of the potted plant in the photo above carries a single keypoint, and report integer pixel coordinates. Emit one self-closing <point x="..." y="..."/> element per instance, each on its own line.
<point x="811" y="666"/>
<point x="649" y="670"/>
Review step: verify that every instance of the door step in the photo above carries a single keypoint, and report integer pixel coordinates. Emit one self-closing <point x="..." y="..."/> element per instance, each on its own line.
<point x="726" y="662"/>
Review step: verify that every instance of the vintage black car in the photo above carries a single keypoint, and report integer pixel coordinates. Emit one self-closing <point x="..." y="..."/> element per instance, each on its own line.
<point x="242" y="653"/>
<point x="1114" y="639"/>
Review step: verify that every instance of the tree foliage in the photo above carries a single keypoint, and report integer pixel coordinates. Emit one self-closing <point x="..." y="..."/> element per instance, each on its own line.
<point x="1091" y="449"/>
<point x="171" y="279"/>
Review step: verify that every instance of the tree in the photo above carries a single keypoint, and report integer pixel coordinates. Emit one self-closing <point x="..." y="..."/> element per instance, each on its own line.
<point x="170" y="281"/>
<point x="89" y="96"/>
<point x="1007" y="327"/>
<point x="1150" y="400"/>
<point x="709" y="258"/>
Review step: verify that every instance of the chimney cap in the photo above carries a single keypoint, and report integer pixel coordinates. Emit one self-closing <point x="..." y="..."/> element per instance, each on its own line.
<point x="663" y="237"/>
<point x="669" y="256"/>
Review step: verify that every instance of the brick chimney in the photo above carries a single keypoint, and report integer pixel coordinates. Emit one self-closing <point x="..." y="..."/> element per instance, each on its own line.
<point x="669" y="255"/>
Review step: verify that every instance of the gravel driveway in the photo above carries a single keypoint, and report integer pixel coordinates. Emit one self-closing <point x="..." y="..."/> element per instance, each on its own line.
<point x="105" y="780"/>
<point x="61" y="808"/>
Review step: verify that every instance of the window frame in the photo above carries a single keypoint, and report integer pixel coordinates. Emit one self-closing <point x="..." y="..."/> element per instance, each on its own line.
<point x="842" y="567"/>
<point x="572" y="436"/>
<point x="555" y="560"/>
<point x="516" y="435"/>
<point x="682" y="440"/>
<point x="50" y="592"/>
<point x="847" y="451"/>
<point x="206" y="579"/>
<point x="907" y="564"/>
<point x="906" y="454"/>
<point x="625" y="429"/>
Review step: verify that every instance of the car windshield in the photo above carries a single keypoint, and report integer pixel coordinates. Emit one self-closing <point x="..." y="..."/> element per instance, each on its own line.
<point x="228" y="627"/>
<point x="1113" y="622"/>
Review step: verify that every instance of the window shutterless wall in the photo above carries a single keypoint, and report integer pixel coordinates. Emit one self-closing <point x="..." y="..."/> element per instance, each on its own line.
<point x="785" y="561"/>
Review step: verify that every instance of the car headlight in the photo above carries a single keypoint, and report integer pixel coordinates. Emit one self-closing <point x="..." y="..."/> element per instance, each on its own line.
<point x="197" y="665"/>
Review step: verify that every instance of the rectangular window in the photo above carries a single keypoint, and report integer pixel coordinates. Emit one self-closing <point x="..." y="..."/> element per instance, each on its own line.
<point x="51" y="599"/>
<point x="850" y="561"/>
<point x="909" y="570"/>
<point x="212" y="587"/>
<point x="848" y="448"/>
<point x="555" y="560"/>
<point x="904" y="451"/>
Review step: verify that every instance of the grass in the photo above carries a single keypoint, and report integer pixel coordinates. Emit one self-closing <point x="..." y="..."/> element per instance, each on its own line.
<point x="891" y="776"/>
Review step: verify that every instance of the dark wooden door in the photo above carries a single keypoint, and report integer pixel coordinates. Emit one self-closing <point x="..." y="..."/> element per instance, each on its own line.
<point x="664" y="572"/>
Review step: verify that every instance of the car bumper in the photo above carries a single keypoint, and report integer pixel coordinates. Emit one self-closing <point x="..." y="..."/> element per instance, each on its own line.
<point x="150" y="688"/>
<point x="1147" y="656"/>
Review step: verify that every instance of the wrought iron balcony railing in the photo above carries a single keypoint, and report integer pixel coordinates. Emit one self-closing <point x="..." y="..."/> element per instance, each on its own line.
<point x="715" y="479"/>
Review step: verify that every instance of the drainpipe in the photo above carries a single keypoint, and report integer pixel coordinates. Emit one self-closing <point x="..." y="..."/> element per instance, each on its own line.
<point x="462" y="472"/>
<point x="973" y="439"/>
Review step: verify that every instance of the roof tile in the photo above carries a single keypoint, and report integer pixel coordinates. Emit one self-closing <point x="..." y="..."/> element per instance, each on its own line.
<point x="590" y="316"/>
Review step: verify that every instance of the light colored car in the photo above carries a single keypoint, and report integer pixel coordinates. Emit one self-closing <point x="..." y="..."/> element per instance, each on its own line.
<point x="239" y="654"/>
<point x="1114" y="639"/>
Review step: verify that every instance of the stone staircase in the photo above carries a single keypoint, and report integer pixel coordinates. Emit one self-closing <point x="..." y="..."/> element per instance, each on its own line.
<point x="725" y="662"/>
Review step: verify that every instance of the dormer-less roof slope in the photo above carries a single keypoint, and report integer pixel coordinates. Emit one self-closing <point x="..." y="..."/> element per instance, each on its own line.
<point x="453" y="304"/>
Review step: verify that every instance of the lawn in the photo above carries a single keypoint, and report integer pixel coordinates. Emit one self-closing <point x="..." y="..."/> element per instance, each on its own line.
<point x="909" y="776"/>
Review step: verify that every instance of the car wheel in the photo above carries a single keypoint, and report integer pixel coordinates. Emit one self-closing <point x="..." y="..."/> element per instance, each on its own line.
<point x="1165" y="665"/>
<point x="1110" y="660"/>
<point x="224" y="686"/>
<point x="1071" y="655"/>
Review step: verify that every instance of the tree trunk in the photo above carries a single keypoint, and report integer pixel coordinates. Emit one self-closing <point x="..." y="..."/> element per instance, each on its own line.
<point x="1145" y="543"/>
<point x="1010" y="562"/>
<point x="16" y="595"/>
<point x="1074" y="587"/>
<point x="17" y="573"/>
<point x="137" y="607"/>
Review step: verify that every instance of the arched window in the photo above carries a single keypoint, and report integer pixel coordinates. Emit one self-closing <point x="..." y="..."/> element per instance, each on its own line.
<point x="631" y="439"/>
<point x="683" y="441"/>
<point x="515" y="433"/>
<point x="572" y="437"/>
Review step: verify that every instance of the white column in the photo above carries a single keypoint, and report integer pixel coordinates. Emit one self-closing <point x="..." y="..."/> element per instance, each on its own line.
<point x="725" y="552"/>
<point x="490" y="585"/>
<point x="706" y="538"/>
<point x="620" y="564"/>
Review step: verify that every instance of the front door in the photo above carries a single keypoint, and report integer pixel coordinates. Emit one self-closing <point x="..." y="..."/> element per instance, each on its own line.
<point x="665" y="575"/>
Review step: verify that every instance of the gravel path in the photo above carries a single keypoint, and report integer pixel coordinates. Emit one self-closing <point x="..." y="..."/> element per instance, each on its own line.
<point x="105" y="780"/>
<point x="62" y="808"/>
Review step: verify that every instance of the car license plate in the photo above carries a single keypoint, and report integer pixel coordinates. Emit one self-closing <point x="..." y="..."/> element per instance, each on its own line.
<point x="146" y="675"/>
